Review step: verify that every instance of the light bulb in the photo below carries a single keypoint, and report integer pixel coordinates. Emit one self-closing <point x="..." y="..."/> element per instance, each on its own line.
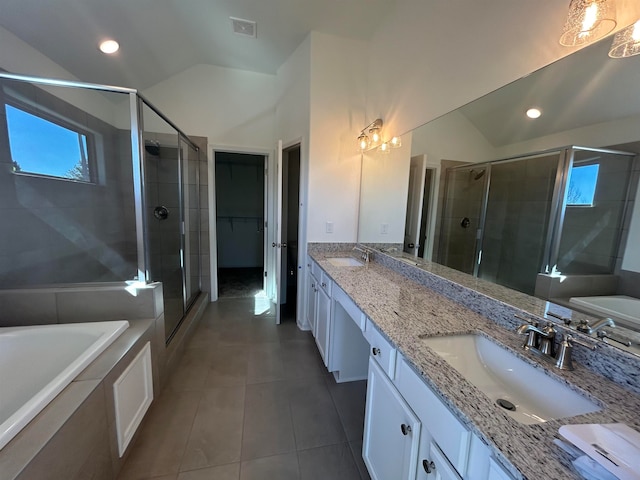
<point x="109" y="47"/>
<point x="375" y="136"/>
<point x="534" y="113"/>
<point x="635" y="35"/>
<point x="363" y="141"/>
<point x="395" y="142"/>
<point x="590" y="19"/>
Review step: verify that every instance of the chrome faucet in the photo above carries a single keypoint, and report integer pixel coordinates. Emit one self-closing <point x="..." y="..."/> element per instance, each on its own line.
<point x="542" y="342"/>
<point x="585" y="327"/>
<point x="539" y="340"/>
<point x="563" y="360"/>
<point x="365" y="253"/>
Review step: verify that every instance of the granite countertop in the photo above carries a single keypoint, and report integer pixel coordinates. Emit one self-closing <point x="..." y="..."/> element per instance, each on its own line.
<point x="404" y="311"/>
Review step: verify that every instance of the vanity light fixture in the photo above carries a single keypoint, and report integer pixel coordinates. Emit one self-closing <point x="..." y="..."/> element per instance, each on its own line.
<point x="370" y="135"/>
<point x="587" y="21"/>
<point x="109" y="47"/>
<point x="626" y="43"/>
<point x="385" y="147"/>
<point x="534" y="113"/>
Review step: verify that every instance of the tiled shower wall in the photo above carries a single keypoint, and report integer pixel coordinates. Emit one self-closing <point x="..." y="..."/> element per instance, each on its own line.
<point x="57" y="231"/>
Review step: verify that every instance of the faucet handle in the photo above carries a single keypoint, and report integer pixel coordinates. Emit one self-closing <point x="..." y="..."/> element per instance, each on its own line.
<point x="590" y="346"/>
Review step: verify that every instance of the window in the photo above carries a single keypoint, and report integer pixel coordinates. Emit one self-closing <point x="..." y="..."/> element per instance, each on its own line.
<point x="48" y="147"/>
<point x="582" y="185"/>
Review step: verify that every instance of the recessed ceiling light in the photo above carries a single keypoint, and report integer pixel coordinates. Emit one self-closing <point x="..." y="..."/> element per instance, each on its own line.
<point x="534" y="113"/>
<point x="109" y="46"/>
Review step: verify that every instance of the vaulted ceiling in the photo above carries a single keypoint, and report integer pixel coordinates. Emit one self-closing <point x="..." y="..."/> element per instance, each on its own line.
<point x="160" y="38"/>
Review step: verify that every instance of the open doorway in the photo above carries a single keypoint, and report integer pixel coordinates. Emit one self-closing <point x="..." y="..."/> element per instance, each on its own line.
<point x="290" y="223"/>
<point x="240" y="205"/>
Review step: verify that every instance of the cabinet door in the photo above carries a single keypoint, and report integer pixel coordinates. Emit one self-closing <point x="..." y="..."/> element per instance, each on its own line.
<point x="391" y="430"/>
<point x="311" y="303"/>
<point x="323" y="319"/>
<point x="436" y="466"/>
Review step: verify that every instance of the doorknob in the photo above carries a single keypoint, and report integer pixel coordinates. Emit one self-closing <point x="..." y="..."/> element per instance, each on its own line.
<point x="284" y="245"/>
<point x="428" y="466"/>
<point x="273" y="244"/>
<point x="410" y="245"/>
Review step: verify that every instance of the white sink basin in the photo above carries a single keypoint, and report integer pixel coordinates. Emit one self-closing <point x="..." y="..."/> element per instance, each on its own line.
<point x="344" y="262"/>
<point x="501" y="375"/>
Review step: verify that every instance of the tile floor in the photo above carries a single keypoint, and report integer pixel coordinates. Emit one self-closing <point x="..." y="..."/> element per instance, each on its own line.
<point x="251" y="400"/>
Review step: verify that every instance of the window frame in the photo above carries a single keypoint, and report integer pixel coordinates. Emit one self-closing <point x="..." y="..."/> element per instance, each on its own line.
<point x="61" y="121"/>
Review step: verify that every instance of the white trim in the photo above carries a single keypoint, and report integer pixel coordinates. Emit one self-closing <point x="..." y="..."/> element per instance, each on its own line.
<point x="433" y="209"/>
<point x="211" y="167"/>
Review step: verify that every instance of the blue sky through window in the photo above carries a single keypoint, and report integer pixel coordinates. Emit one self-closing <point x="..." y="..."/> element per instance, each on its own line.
<point x="43" y="147"/>
<point x="582" y="185"/>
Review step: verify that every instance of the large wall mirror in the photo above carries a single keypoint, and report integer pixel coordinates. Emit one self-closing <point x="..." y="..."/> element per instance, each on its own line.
<point x="483" y="189"/>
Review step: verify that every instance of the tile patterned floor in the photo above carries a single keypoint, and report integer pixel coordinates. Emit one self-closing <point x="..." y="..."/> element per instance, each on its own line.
<point x="251" y="400"/>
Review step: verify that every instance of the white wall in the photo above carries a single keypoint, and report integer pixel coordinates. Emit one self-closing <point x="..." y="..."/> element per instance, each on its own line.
<point x="385" y="182"/>
<point x="230" y="107"/>
<point x="337" y="93"/>
<point x="21" y="58"/>
<point x="451" y="137"/>
<point x="432" y="57"/>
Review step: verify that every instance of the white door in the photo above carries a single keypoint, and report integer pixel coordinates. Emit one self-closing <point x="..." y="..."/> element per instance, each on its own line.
<point x="415" y="195"/>
<point x="276" y="243"/>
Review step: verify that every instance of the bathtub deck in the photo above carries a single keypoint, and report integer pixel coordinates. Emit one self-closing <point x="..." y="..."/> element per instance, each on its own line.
<point x="251" y="400"/>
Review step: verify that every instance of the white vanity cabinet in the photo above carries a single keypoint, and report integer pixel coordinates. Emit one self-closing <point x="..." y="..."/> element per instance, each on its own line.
<point x="319" y="307"/>
<point x="323" y="323"/>
<point x="391" y="430"/>
<point x="311" y="300"/>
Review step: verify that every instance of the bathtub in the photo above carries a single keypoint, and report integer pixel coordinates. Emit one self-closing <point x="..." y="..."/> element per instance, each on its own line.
<point x="623" y="309"/>
<point x="38" y="362"/>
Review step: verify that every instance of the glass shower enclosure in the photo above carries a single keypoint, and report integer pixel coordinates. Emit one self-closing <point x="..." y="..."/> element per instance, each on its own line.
<point x="96" y="185"/>
<point x="557" y="211"/>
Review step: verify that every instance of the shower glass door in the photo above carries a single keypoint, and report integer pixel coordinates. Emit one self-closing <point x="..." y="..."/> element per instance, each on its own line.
<point x="462" y="218"/>
<point x="519" y="206"/>
<point x="164" y="212"/>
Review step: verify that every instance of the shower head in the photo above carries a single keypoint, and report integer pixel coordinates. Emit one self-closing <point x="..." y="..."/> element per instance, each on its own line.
<point x="152" y="148"/>
<point x="479" y="173"/>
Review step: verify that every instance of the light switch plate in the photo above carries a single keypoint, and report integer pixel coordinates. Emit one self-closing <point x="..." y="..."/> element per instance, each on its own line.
<point x="384" y="228"/>
<point x="329" y="227"/>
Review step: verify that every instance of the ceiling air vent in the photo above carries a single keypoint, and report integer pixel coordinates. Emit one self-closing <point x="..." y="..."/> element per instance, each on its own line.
<point x="244" y="27"/>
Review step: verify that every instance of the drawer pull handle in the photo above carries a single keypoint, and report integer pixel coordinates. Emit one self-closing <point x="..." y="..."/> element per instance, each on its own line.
<point x="375" y="351"/>
<point x="405" y="429"/>
<point x="428" y="466"/>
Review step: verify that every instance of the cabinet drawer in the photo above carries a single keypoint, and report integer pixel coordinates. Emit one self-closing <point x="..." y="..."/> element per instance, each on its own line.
<point x="381" y="349"/>
<point x="325" y="282"/>
<point x="447" y="431"/>
<point x="315" y="269"/>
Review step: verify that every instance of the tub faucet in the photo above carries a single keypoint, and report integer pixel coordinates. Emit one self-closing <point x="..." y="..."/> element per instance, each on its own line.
<point x="585" y="327"/>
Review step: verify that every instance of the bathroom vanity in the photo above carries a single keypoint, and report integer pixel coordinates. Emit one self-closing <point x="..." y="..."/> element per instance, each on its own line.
<point x="424" y="418"/>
